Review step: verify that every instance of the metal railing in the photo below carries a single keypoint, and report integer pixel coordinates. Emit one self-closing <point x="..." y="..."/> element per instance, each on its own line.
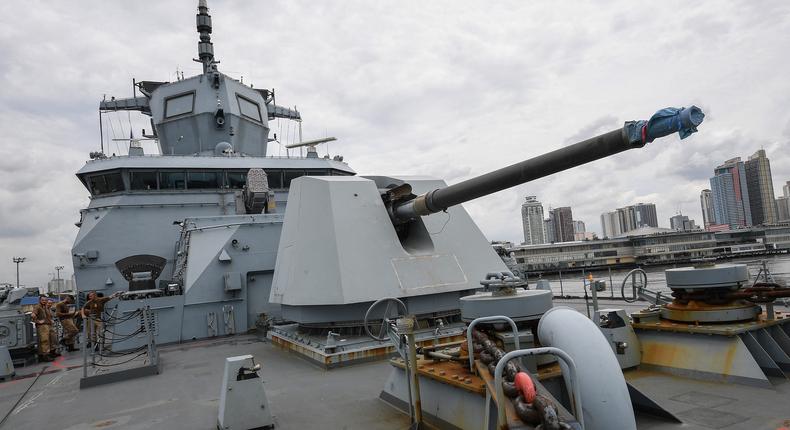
<point x="571" y="380"/>
<point x="101" y="347"/>
<point x="496" y="318"/>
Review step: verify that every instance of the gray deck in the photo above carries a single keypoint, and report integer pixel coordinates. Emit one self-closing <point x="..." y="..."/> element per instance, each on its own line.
<point x="709" y="405"/>
<point x="185" y="395"/>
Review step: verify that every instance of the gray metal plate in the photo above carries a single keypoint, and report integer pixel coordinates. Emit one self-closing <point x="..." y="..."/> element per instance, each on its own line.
<point x="718" y="276"/>
<point x="525" y="304"/>
<point x="710" y="418"/>
<point x="702" y="399"/>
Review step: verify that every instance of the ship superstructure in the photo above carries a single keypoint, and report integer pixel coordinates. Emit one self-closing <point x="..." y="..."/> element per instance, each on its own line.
<point x="192" y="231"/>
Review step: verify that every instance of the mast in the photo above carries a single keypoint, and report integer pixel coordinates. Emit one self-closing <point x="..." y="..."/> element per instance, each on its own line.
<point x="205" y="47"/>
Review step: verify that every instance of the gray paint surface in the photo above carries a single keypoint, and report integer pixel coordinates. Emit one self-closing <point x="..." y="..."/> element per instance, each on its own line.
<point x="339" y="247"/>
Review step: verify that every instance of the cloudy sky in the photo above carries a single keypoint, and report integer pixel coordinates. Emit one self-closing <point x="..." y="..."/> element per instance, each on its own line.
<point x="451" y="89"/>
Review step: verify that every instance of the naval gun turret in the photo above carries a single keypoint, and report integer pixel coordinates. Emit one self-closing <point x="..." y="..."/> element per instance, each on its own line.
<point x="348" y="241"/>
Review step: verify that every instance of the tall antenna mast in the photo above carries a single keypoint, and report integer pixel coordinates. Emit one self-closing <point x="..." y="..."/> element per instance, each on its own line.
<point x="205" y="47"/>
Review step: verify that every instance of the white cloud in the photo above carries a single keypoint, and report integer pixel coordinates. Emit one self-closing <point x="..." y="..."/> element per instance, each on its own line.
<point x="451" y="89"/>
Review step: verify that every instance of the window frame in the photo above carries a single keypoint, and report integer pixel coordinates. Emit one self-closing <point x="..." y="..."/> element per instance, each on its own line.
<point x="257" y="105"/>
<point x="131" y="179"/>
<point x="218" y="174"/>
<point x="103" y="175"/>
<point x="167" y="171"/>
<point x="285" y="175"/>
<point x="270" y="174"/>
<point x="226" y="175"/>
<point x="175" y="96"/>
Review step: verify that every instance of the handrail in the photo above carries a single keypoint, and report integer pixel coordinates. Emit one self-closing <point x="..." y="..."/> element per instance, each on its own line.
<point x="576" y="399"/>
<point x="635" y="294"/>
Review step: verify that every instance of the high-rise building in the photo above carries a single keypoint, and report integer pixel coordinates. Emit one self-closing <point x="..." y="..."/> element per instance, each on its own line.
<point x="708" y="217"/>
<point x="761" y="189"/>
<point x="580" y="231"/>
<point x="783" y="209"/>
<point x="625" y="217"/>
<point x="730" y="194"/>
<point x="682" y="222"/>
<point x="637" y="216"/>
<point x="783" y="203"/>
<point x="645" y="215"/>
<point x="532" y="221"/>
<point x="610" y="223"/>
<point x="563" y="224"/>
<point x="548" y="227"/>
<point x="629" y="218"/>
<point x="57" y="286"/>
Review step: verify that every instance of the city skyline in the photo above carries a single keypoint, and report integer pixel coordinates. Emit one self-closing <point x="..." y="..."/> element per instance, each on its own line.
<point x="779" y="189"/>
<point x="742" y="194"/>
<point x="558" y="226"/>
<point x="732" y="175"/>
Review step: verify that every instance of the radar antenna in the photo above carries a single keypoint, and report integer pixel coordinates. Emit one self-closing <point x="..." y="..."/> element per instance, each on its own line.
<point x="310" y="144"/>
<point x="205" y="47"/>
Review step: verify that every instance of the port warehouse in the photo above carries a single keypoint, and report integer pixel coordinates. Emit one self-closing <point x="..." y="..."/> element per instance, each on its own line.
<point x="651" y="247"/>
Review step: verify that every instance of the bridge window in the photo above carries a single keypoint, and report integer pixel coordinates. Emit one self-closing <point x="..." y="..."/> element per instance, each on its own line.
<point x="317" y="173"/>
<point x="179" y="105"/>
<point x="249" y="108"/>
<point x="275" y="178"/>
<point x="237" y="180"/>
<point x="108" y="183"/>
<point x="291" y="175"/>
<point x="202" y="180"/>
<point x="143" y="180"/>
<point x="172" y="180"/>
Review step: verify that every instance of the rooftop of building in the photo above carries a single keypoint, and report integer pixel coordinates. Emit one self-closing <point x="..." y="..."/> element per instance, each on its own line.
<point x="649" y="231"/>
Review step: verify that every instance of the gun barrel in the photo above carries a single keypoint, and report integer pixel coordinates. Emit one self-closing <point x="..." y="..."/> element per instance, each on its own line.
<point x="634" y="134"/>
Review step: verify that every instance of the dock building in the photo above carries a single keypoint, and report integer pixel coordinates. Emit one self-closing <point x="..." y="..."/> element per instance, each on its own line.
<point x="651" y="246"/>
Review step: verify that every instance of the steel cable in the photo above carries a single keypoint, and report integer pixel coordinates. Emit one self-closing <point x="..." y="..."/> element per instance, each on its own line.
<point x="107" y="353"/>
<point x="123" y="338"/>
<point x="108" y="318"/>
<point x="122" y="362"/>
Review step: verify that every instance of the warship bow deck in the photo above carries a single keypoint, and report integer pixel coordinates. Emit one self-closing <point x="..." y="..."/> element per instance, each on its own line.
<point x="303" y="395"/>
